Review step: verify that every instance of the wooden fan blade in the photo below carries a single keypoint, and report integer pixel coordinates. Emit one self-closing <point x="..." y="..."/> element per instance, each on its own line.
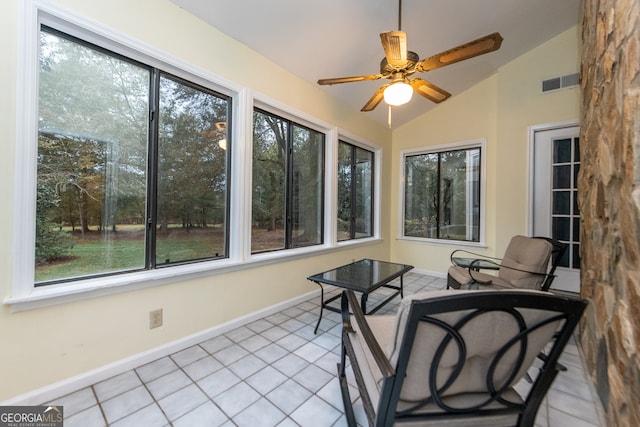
<point x="429" y="90"/>
<point x="375" y="99"/>
<point x="477" y="47"/>
<point x="394" y="44"/>
<point x="349" y="79"/>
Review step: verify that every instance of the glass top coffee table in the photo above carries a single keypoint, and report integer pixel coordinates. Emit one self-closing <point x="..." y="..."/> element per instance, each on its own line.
<point x="364" y="276"/>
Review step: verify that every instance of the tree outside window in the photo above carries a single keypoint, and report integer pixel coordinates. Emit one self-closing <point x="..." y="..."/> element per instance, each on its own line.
<point x="128" y="164"/>
<point x="288" y="184"/>
<point x="355" y="192"/>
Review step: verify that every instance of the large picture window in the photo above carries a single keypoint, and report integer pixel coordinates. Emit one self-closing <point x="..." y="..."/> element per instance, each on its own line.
<point x="355" y="192"/>
<point x="442" y="194"/>
<point x="130" y="172"/>
<point x="288" y="184"/>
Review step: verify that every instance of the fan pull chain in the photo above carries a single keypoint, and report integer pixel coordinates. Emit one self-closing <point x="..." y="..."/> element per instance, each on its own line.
<point x="389" y="120"/>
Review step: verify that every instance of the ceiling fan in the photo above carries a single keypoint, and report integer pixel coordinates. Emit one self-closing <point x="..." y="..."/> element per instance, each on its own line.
<point x="400" y="63"/>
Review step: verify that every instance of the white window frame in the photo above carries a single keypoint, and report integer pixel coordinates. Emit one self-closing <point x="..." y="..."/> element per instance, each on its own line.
<point x="25" y="295"/>
<point x="377" y="172"/>
<point x="480" y="143"/>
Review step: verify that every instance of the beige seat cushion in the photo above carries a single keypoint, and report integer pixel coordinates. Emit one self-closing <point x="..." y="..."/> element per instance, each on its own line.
<point x="483" y="336"/>
<point x="525" y="253"/>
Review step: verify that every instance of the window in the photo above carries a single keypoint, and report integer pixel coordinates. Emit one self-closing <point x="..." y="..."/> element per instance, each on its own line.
<point x="355" y="192"/>
<point x="442" y="194"/>
<point x="288" y="189"/>
<point x="131" y="174"/>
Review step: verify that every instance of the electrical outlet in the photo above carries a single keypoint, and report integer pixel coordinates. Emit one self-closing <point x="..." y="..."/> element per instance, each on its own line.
<point x="155" y="318"/>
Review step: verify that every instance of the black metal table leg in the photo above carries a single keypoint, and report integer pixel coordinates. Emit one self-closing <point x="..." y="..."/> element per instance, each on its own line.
<point x="315" y="331"/>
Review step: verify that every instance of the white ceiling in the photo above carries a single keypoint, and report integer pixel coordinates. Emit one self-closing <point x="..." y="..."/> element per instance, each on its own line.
<point x="316" y="39"/>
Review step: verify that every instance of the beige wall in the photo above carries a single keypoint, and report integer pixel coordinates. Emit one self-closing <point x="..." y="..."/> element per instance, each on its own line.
<point x="500" y="109"/>
<point x="46" y="345"/>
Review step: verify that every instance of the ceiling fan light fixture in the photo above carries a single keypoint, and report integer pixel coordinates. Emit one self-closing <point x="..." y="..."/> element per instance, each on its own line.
<point x="398" y="93"/>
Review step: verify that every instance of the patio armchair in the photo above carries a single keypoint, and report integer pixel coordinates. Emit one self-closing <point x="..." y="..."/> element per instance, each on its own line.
<point x="454" y="358"/>
<point x="528" y="263"/>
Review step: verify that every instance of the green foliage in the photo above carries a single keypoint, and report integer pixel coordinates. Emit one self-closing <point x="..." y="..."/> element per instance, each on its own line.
<point x="51" y="244"/>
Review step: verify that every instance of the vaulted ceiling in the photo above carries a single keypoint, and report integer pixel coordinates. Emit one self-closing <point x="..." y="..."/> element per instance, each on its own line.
<point x="337" y="38"/>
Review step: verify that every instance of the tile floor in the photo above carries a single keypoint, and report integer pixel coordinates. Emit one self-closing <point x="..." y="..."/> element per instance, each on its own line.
<point x="273" y="372"/>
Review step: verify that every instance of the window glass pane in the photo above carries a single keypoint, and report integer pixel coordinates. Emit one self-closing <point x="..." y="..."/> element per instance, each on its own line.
<point x="576" y="149"/>
<point x="562" y="151"/>
<point x="269" y="184"/>
<point x="192" y="174"/>
<point x="306" y="187"/>
<point x="92" y="162"/>
<point x="363" y="193"/>
<point x="345" y="153"/>
<point x="355" y="192"/>
<point x="421" y="195"/>
<point x="459" y="187"/>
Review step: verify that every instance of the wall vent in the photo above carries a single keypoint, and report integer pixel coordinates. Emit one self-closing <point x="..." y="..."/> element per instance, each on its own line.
<point x="561" y="82"/>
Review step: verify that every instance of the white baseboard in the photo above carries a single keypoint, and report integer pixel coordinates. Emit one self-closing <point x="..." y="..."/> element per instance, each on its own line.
<point x="61" y="388"/>
<point x="437" y="274"/>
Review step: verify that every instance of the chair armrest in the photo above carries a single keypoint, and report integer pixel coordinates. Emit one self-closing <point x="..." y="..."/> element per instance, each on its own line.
<point x="349" y="299"/>
<point x="465" y="254"/>
<point x="473" y="266"/>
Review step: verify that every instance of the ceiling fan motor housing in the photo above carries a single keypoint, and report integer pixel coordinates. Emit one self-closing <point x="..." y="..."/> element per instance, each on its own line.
<point x="412" y="60"/>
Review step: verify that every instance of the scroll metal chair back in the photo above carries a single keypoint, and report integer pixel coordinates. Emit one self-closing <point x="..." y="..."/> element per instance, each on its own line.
<point x="454" y="357"/>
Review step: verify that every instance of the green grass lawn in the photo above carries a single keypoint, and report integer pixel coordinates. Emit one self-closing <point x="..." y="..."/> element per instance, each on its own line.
<point x="100" y="253"/>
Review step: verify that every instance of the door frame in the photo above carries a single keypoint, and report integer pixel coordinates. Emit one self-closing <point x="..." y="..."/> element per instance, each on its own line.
<point x="569" y="284"/>
<point x="533" y="129"/>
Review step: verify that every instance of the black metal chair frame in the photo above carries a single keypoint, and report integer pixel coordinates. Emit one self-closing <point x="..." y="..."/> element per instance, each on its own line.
<point x="569" y="310"/>
<point x="557" y="252"/>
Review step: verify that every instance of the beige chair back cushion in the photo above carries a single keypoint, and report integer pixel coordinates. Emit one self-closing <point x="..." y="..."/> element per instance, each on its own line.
<point x="483" y="335"/>
<point x="526" y="253"/>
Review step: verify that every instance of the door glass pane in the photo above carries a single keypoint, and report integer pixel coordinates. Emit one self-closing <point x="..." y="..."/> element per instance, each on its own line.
<point x="576" y="256"/>
<point x="565" y="213"/>
<point x="306" y="187"/>
<point x="562" y="202"/>
<point x="562" y="150"/>
<point x="421" y="195"/>
<point x="92" y="162"/>
<point x="561" y="228"/>
<point x="562" y="176"/>
<point x="565" y="260"/>
<point x="344" y="190"/>
<point x="192" y="174"/>
<point x="269" y="184"/>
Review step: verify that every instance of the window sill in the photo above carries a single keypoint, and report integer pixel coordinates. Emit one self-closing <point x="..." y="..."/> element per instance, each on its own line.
<point x="444" y="242"/>
<point x="85" y="289"/>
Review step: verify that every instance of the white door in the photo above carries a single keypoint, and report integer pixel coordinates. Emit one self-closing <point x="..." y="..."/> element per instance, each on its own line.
<point x="556" y="161"/>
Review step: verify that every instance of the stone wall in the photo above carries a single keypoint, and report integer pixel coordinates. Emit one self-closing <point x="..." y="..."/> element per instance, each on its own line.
<point x="609" y="200"/>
